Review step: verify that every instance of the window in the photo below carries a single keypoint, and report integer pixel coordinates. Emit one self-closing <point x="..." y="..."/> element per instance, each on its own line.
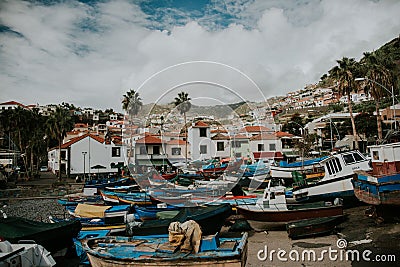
<point x="272" y="147"/>
<point x="156" y="150"/>
<point x="203" y="149"/>
<point x="63" y="154"/>
<point x="358" y="157"/>
<point x="220" y="146"/>
<point x="238" y="155"/>
<point x="142" y="150"/>
<point x="260" y="147"/>
<point x="176" y="151"/>
<point x="348" y="158"/>
<point x="203" y="132"/>
<point x="375" y="155"/>
<point x="116" y="152"/>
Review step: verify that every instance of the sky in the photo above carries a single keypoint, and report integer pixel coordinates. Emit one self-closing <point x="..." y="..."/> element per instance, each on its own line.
<point x="89" y="53"/>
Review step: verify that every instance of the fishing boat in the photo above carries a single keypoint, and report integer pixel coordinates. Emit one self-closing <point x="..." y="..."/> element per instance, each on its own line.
<point x="210" y="218"/>
<point x="93" y="217"/>
<point x="336" y="182"/>
<point x="150" y="212"/>
<point x="157" y="251"/>
<point x="256" y="169"/>
<point x="53" y="236"/>
<point x="83" y="235"/>
<point x="131" y="198"/>
<point x="24" y="254"/>
<point x="381" y="186"/>
<point x="313" y="227"/>
<point x="284" y="170"/>
<point x="272" y="210"/>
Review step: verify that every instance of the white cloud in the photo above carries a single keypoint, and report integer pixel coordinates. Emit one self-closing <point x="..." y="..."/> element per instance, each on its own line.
<point x="282" y="46"/>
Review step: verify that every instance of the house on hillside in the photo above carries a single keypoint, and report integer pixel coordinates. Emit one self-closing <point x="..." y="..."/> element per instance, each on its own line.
<point x="11" y="105"/>
<point x="199" y="137"/>
<point x="240" y="146"/>
<point x="254" y="130"/>
<point x="86" y="154"/>
<point x="150" y="151"/>
<point x="221" y="146"/>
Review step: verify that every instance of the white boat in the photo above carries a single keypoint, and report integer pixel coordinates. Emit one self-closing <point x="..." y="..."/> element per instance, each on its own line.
<point x="24" y="255"/>
<point x="272" y="210"/>
<point x="284" y="170"/>
<point x="336" y="182"/>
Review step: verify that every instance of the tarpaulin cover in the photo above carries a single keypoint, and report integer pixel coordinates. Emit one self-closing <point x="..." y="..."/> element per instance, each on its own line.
<point x="90" y="211"/>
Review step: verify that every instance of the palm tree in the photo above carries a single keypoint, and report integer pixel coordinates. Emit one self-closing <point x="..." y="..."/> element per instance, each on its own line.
<point x="344" y="76"/>
<point x="58" y="124"/>
<point x="131" y="103"/>
<point x="182" y="103"/>
<point x="378" y="78"/>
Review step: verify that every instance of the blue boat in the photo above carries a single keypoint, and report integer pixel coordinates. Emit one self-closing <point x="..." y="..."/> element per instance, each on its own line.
<point x="381" y="186"/>
<point x="255" y="169"/>
<point x="157" y="251"/>
<point x="94" y="217"/>
<point x="150" y="212"/>
<point x="82" y="235"/>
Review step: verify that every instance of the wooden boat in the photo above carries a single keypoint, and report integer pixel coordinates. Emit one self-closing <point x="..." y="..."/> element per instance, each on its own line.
<point x="256" y="169"/>
<point x="83" y="235"/>
<point x="381" y="186"/>
<point x="312" y="227"/>
<point x="118" y="198"/>
<point x="157" y="251"/>
<point x="52" y="236"/>
<point x="272" y="210"/>
<point x="93" y="217"/>
<point x="150" y="212"/>
<point x="210" y="218"/>
<point x="25" y="254"/>
<point x="284" y="170"/>
<point x="336" y="182"/>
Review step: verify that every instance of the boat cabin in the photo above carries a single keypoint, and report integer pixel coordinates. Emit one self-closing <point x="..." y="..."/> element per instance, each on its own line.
<point x="273" y="198"/>
<point x="385" y="158"/>
<point x="342" y="164"/>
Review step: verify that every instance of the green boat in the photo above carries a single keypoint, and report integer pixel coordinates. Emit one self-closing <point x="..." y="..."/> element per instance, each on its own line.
<point x="312" y="227"/>
<point x="52" y="236"/>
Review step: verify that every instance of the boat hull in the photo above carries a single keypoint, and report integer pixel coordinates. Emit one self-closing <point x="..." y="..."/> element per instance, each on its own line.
<point x="150" y="251"/>
<point x="261" y="220"/>
<point x="312" y="227"/>
<point x="382" y="190"/>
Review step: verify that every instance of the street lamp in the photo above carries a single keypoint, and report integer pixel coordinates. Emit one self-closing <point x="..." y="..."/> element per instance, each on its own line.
<point x="84" y="164"/>
<point x="387" y="90"/>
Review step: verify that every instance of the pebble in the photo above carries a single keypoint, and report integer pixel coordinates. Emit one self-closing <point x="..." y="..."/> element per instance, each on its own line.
<point x="35" y="209"/>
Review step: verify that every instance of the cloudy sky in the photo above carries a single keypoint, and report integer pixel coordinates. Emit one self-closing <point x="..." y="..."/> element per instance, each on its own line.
<point x="90" y="53"/>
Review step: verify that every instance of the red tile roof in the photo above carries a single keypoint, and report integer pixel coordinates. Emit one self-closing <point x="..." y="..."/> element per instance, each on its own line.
<point x="149" y="139"/>
<point x="240" y="136"/>
<point x="219" y="131"/>
<point x="201" y="124"/>
<point x="264" y="136"/>
<point x="252" y="129"/>
<point x="220" y="136"/>
<point x="12" y="103"/>
<point x="283" y="134"/>
<point x="176" y="142"/>
<point x="78" y="138"/>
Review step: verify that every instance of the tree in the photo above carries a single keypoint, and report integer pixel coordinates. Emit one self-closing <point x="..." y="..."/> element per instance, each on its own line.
<point x="344" y="76"/>
<point x="131" y="103"/>
<point x="182" y="103"/>
<point x="378" y="78"/>
<point x="58" y="124"/>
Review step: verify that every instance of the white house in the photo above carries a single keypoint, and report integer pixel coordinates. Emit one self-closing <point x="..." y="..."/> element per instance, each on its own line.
<point x="221" y="147"/>
<point x="199" y="137"/>
<point x="86" y="154"/>
<point x="175" y="150"/>
<point x="266" y="146"/>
